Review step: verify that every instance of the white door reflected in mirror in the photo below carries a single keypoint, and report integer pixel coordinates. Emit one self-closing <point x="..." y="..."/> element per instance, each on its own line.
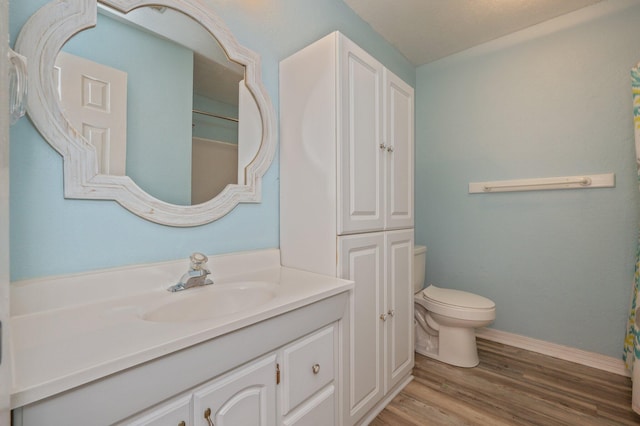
<point x="94" y="99"/>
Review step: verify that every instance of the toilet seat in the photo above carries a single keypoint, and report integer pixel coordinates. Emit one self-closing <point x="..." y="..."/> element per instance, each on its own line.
<point x="456" y="303"/>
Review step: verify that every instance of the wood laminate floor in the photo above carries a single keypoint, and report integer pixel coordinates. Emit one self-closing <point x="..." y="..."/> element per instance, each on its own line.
<point x="511" y="386"/>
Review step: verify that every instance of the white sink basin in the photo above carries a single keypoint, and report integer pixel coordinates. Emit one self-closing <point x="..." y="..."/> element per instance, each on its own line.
<point x="213" y="301"/>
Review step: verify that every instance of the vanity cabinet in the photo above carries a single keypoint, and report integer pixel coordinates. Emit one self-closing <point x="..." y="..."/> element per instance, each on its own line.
<point x="346" y="204"/>
<point x="283" y="369"/>
<point x="294" y="385"/>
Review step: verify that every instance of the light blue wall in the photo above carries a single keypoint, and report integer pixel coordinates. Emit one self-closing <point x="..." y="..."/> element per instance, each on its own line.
<point x="159" y="103"/>
<point x="558" y="264"/>
<point x="50" y="235"/>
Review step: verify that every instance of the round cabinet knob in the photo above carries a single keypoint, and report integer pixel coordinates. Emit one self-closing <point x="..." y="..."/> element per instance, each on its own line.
<point x="383" y="317"/>
<point x="390" y="148"/>
<point x="315" y="368"/>
<point x="182" y="423"/>
<point x="391" y="312"/>
<point x="383" y="146"/>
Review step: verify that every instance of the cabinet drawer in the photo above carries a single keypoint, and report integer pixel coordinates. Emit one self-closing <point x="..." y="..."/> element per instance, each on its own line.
<point x="319" y="411"/>
<point x="308" y="365"/>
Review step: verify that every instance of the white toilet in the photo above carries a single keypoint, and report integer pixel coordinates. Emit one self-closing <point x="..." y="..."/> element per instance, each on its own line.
<point x="446" y="319"/>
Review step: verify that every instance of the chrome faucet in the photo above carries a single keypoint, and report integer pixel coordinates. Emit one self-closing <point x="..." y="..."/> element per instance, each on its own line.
<point x="196" y="276"/>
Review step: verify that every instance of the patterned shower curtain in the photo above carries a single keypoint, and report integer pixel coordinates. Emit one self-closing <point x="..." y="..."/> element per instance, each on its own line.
<point x="631" y="354"/>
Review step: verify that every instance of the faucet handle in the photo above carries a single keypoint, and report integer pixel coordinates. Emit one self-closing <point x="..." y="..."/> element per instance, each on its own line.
<point x="198" y="261"/>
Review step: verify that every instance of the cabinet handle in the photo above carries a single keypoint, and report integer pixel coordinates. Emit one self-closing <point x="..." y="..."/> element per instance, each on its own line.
<point x="383" y="317"/>
<point x="390" y="148"/>
<point x="391" y="312"/>
<point x="315" y="368"/>
<point x="207" y="416"/>
<point x="383" y="146"/>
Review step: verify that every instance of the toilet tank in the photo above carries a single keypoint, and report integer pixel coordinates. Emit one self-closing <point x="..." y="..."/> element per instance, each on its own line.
<point x="419" y="267"/>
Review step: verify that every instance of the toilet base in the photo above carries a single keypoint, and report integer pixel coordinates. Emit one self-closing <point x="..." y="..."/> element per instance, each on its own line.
<point x="454" y="345"/>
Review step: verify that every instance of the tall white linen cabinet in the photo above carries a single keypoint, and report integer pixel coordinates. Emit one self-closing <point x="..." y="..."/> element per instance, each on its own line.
<point x="346" y="206"/>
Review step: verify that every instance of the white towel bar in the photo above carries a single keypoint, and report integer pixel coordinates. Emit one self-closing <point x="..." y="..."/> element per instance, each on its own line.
<point x="607" y="180"/>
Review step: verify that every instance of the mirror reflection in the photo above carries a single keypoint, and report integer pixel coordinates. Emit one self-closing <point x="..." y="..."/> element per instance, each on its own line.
<point x="157" y="97"/>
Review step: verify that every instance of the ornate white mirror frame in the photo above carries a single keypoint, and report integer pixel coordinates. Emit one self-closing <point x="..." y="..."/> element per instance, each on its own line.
<point x="41" y="39"/>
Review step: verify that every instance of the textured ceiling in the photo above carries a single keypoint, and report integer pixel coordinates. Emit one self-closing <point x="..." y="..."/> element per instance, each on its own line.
<point x="427" y="30"/>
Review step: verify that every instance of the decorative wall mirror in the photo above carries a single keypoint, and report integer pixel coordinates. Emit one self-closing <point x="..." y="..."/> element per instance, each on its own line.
<point x="151" y="103"/>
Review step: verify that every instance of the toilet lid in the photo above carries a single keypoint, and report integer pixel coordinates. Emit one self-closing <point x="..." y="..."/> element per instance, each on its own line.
<point x="457" y="298"/>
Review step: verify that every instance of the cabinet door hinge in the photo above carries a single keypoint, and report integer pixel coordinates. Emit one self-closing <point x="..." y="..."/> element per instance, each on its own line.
<point x="277" y="374"/>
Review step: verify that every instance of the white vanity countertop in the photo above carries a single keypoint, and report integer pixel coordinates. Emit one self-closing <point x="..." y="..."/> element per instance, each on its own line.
<point x="67" y="331"/>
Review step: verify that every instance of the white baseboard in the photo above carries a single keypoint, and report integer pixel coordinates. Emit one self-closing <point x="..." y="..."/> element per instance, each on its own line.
<point x="590" y="359"/>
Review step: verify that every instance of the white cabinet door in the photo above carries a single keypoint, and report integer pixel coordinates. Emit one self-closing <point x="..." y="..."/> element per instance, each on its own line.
<point x="362" y="260"/>
<point x="376" y="138"/>
<point x="380" y="323"/>
<point x="398" y="136"/>
<point x="399" y="304"/>
<point x="246" y="396"/>
<point x="360" y="155"/>
<point x="174" y="413"/>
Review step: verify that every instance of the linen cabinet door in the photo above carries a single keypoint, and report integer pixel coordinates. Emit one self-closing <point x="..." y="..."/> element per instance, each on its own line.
<point x="361" y="259"/>
<point x="360" y="148"/>
<point x="399" y="139"/>
<point x="246" y="396"/>
<point x="399" y="356"/>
